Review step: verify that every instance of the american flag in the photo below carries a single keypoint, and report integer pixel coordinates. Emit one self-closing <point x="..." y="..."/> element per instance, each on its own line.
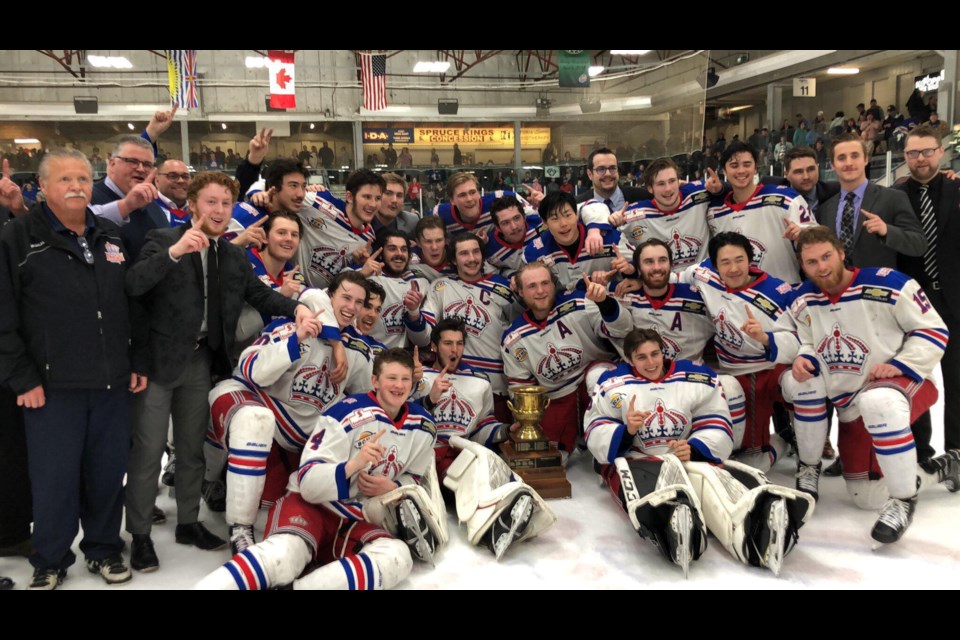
<point x="182" y="74"/>
<point x="373" y="78"/>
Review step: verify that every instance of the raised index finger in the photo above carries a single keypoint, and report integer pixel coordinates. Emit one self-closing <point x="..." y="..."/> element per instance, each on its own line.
<point x="377" y="435"/>
<point x="868" y="214"/>
<point x="376" y="253"/>
<point x="6" y="169"/>
<point x="749" y="313"/>
<point x="261" y="222"/>
<point x="631" y="408"/>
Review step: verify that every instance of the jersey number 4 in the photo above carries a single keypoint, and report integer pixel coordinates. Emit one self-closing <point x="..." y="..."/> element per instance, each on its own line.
<point x="316" y="440"/>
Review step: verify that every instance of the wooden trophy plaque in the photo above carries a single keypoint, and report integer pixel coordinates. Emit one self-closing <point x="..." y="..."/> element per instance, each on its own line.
<point x="528" y="452"/>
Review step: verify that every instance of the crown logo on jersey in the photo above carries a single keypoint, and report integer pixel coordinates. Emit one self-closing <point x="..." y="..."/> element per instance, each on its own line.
<point x="759" y="249"/>
<point x="453" y="414"/>
<point x="328" y="261"/>
<point x="663" y="422"/>
<point x="557" y="361"/>
<point x="685" y="249"/>
<point x="474" y="316"/>
<point x="390" y="465"/>
<point x="392" y="318"/>
<point x="727" y="332"/>
<point x="313" y="386"/>
<point x="671" y="348"/>
<point x="843" y="353"/>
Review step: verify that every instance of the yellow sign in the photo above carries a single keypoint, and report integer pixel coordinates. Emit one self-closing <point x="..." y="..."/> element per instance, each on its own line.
<point x="480" y="136"/>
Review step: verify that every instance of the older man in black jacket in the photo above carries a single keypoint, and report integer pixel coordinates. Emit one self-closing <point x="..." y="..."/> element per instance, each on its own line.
<point x="64" y="350"/>
<point x="194" y="285"/>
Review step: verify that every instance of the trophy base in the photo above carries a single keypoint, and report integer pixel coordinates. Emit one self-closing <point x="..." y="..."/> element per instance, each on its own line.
<point x="541" y="468"/>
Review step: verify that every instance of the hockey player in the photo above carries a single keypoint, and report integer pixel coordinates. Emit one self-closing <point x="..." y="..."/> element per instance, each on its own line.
<point x="563" y="247"/>
<point x="467" y="209"/>
<point x="677" y="214"/>
<point x="871" y="339"/>
<point x="263" y="415"/>
<point x="513" y="229"/>
<point x="429" y="259"/>
<point x="363" y="447"/>
<point x="736" y="292"/>
<point x="770" y="216"/>
<point x="497" y="506"/>
<point x="272" y="264"/>
<point x="556" y="340"/>
<point x="485" y="303"/>
<point x="660" y="431"/>
<point x="397" y="280"/>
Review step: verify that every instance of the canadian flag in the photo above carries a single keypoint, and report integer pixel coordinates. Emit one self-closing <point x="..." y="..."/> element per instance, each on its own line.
<point x="282" y="93"/>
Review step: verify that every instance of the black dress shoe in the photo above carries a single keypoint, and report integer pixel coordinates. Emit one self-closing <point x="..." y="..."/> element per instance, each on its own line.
<point x="5" y="583"/>
<point x="198" y="535"/>
<point x="142" y="555"/>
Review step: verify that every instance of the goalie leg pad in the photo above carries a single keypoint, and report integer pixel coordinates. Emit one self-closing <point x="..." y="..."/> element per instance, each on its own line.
<point x="485" y="488"/>
<point x="757" y="522"/>
<point x="662" y="506"/>
<point x="411" y="514"/>
<point x="249" y="438"/>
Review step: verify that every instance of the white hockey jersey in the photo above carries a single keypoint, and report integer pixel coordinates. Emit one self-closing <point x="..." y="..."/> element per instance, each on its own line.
<point x="761" y="220"/>
<point x="680" y="318"/>
<point x="555" y="353"/>
<point x="882" y="317"/>
<point x="465" y="409"/>
<point x="768" y="298"/>
<point x="686" y="404"/>
<point x="293" y="379"/>
<point x="684" y="228"/>
<point x="422" y="270"/>
<point x="391" y="329"/>
<point x="487" y="307"/>
<point x="569" y="268"/>
<point x="448" y="212"/>
<point x="339" y="435"/>
<point x="506" y="257"/>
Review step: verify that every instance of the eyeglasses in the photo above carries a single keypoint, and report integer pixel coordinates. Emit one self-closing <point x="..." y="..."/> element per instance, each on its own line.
<point x="605" y="170"/>
<point x="133" y="162"/>
<point x="927" y="153"/>
<point x="87" y="254"/>
<point x="174" y="177"/>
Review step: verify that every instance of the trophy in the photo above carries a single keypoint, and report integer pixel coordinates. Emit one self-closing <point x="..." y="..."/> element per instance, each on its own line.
<point x="529" y="454"/>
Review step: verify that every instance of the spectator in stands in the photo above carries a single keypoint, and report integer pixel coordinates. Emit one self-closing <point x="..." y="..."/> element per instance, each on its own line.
<point x="938" y="125"/>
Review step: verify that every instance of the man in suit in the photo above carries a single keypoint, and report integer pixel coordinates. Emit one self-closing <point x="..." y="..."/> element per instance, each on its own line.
<point x="936" y="202"/>
<point x="194" y="284"/>
<point x="874" y="223"/>
<point x="128" y="187"/>
<point x="604" y="173"/>
<point x="172" y="181"/>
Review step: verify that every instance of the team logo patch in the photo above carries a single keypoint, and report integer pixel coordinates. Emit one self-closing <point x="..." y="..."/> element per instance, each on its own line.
<point x="474" y="316"/>
<point x="114" y="254"/>
<point x="784" y="288"/>
<point x="685" y="249"/>
<point x="727" y="332"/>
<point x="671" y="348"/>
<point x="316" y="223"/>
<point x="876" y="294"/>
<point x="773" y="201"/>
<point x="843" y="353"/>
<point x="883" y="272"/>
<point x="700" y="197"/>
<point x="663" y="422"/>
<point x="764" y="305"/>
<point x="300" y="521"/>
<point x="439" y="286"/>
<point x="312" y="385"/>
<point x="616" y="400"/>
<point x="249" y="208"/>
<point x="690" y="306"/>
<point x="328" y="261"/>
<point x="392" y="318"/>
<point x="520" y="354"/>
<point x="390" y="465"/>
<point x="638" y="232"/>
<point x="567" y="307"/>
<point x="453" y="413"/>
<point x="558" y="361"/>
<point x="693" y="376"/>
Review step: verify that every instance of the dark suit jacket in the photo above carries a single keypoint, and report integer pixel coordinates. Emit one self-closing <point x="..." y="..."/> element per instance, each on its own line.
<point x="904" y="234"/>
<point x="173" y="294"/>
<point x="632" y="194"/>
<point x="948" y="241"/>
<point x="143" y="220"/>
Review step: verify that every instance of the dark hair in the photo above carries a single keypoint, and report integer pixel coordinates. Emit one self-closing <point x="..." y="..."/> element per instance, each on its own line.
<point x="650" y="242"/>
<point x="925" y="131"/>
<point x="795" y="154"/>
<point x="353" y="277"/>
<point x="374" y="289"/>
<point x="637" y="337"/>
<point x="363" y="177"/>
<point x="384" y="234"/>
<point x="390" y="356"/>
<point x="735" y="148"/>
<point x="282" y="167"/>
<point x="658" y="165"/>
<point x="450" y="323"/>
<point x="725" y="238"/>
<point x="501" y="204"/>
<point x="463" y="236"/>
<point x="286" y="215"/>
<point x="553" y="202"/>
<point x="595" y="153"/>
<point x="430" y="222"/>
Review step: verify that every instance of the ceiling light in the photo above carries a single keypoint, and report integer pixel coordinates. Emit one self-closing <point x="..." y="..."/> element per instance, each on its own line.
<point x="256" y="62"/>
<point x="109" y="62"/>
<point x="26" y="141"/>
<point x="594" y="71"/>
<point x="630" y="52"/>
<point x="130" y="126"/>
<point x="842" y="71"/>
<point x="431" y="67"/>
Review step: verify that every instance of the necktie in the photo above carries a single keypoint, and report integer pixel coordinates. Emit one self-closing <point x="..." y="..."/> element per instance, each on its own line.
<point x="928" y="220"/>
<point x="214" y="319"/>
<point x="609" y="204"/>
<point x="846" y="228"/>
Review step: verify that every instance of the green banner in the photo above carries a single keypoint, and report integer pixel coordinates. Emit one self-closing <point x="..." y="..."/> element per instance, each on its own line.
<point x="573" y="68"/>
